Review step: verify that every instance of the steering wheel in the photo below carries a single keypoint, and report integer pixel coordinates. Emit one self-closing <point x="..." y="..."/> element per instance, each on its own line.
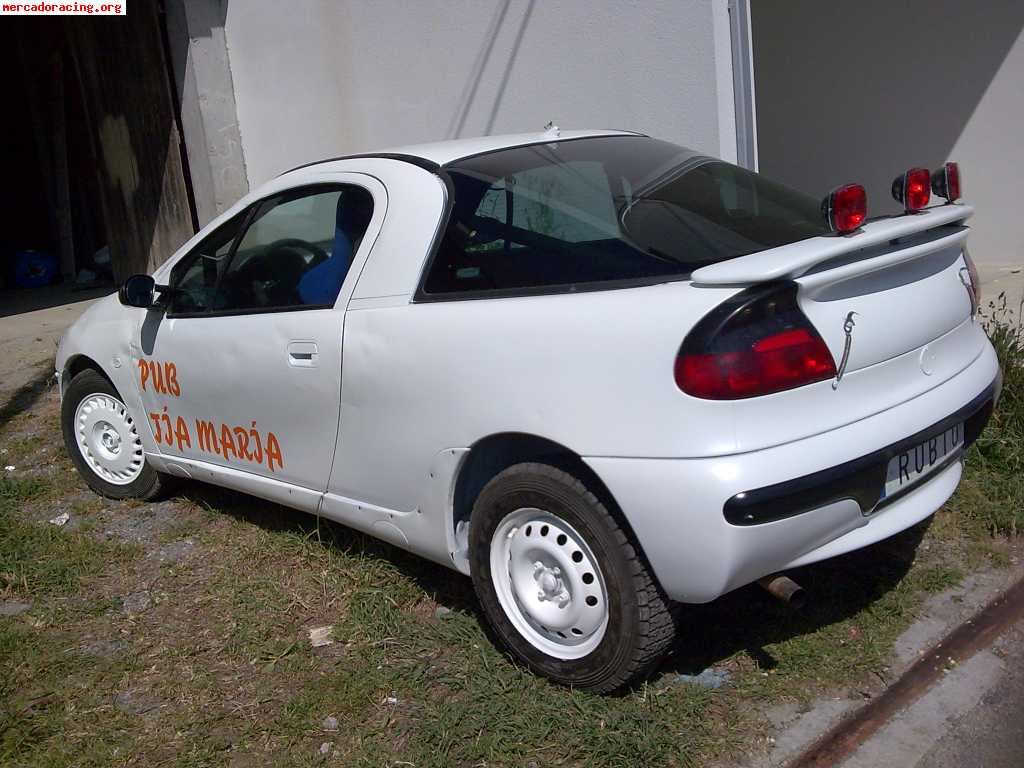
<point x="271" y="277"/>
<point x="294" y="243"/>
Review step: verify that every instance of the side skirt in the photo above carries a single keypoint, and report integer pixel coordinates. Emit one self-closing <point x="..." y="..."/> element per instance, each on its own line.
<point x="286" y="494"/>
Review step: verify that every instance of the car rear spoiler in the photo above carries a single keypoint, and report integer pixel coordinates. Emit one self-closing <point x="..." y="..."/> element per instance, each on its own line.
<point x="796" y="259"/>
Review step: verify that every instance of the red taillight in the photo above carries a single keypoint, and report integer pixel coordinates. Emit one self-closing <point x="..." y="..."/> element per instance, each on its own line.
<point x="946" y="182"/>
<point x="756" y="343"/>
<point x="845" y="208"/>
<point x="913" y="189"/>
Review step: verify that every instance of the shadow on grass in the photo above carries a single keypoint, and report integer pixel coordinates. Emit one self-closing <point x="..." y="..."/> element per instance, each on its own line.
<point x="747" y="619"/>
<point x="443" y="585"/>
<point x="23" y="398"/>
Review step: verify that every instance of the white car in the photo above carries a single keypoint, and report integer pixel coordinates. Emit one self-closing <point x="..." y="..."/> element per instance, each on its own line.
<point x="598" y="373"/>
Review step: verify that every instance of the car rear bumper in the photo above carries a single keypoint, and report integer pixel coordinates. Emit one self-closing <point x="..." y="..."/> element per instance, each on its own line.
<point x="861" y="479"/>
<point x="710" y="525"/>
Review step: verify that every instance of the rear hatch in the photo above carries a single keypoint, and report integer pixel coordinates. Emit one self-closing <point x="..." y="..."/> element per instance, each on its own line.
<point x="890" y="300"/>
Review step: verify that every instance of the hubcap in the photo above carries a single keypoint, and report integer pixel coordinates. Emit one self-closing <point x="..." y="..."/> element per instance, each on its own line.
<point x="549" y="584"/>
<point x="107" y="439"/>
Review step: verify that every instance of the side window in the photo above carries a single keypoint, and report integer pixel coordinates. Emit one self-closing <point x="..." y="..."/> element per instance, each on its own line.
<point x="572" y="202"/>
<point x="196" y="277"/>
<point x="295" y="252"/>
<point x="492" y="214"/>
<point x="547" y="225"/>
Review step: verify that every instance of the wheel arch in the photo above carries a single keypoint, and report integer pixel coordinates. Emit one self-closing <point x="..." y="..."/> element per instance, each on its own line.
<point x="497" y="452"/>
<point x="82" y="362"/>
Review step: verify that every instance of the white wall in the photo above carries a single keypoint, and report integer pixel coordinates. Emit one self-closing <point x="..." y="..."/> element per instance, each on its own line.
<point x="862" y="92"/>
<point x="321" y="78"/>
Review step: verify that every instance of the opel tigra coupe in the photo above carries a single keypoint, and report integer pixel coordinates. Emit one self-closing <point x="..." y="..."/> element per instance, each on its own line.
<point x="598" y="373"/>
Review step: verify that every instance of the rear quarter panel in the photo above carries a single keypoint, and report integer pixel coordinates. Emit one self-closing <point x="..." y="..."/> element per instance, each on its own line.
<point x="591" y="371"/>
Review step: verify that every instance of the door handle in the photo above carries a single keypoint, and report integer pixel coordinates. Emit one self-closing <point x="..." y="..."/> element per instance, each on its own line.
<point x="303" y="354"/>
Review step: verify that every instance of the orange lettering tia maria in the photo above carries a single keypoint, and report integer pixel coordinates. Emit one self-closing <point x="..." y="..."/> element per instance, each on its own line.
<point x="239" y="443"/>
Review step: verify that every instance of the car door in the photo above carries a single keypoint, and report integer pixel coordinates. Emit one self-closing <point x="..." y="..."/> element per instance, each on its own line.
<point x="242" y="369"/>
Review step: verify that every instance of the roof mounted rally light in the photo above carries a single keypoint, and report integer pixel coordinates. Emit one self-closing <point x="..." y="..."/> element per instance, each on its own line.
<point x="845" y="208"/>
<point x="946" y="182"/>
<point x="913" y="189"/>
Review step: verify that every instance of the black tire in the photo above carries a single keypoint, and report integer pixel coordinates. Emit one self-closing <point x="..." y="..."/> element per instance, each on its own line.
<point x="640" y="627"/>
<point x="148" y="485"/>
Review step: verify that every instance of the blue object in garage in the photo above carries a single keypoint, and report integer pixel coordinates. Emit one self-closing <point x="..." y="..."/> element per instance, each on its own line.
<point x="33" y="269"/>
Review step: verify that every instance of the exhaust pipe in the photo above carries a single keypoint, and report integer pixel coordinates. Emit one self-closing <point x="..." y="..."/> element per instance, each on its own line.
<point x="785" y="589"/>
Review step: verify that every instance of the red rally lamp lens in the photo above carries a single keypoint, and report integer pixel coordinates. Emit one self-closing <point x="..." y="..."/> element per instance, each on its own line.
<point x="946" y="182"/>
<point x="913" y="189"/>
<point x="845" y="208"/>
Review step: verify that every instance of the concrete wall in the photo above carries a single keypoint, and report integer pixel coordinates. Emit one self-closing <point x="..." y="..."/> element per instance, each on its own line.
<point x="320" y="78"/>
<point x="205" y="93"/>
<point x="861" y="92"/>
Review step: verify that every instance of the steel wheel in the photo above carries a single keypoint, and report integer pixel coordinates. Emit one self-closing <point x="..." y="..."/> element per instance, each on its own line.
<point x="598" y="622"/>
<point x="107" y="439"/>
<point x="548" y="583"/>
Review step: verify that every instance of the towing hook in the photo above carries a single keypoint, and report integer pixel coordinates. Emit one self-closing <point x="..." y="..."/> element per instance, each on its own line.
<point x="785" y="589"/>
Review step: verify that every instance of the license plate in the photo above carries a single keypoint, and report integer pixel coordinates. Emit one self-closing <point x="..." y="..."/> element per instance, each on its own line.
<point x="908" y="467"/>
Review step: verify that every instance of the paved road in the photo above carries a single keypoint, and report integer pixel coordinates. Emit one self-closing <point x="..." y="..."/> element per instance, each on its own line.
<point x="1008" y="279"/>
<point x="991" y="734"/>
<point x="31" y="324"/>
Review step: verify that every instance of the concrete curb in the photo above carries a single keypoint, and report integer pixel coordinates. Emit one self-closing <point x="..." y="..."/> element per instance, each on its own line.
<point x="957" y="648"/>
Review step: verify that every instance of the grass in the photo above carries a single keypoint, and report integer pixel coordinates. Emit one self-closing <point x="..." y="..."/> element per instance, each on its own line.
<point x="56" y="700"/>
<point x="218" y="669"/>
<point x="38" y="560"/>
<point x="41" y="679"/>
<point x="409" y="685"/>
<point x="459" y="702"/>
<point x="992" y="493"/>
<point x="224" y="652"/>
<point x="414" y="687"/>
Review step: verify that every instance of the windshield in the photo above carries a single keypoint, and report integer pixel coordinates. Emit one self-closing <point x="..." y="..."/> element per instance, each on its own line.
<point x="609" y="209"/>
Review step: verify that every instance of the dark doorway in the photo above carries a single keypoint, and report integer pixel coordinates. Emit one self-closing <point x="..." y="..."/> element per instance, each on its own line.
<point x="96" y="177"/>
<point x="24" y="205"/>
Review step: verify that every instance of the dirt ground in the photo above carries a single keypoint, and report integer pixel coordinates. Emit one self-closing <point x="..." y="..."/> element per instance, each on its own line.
<point x="31" y="324"/>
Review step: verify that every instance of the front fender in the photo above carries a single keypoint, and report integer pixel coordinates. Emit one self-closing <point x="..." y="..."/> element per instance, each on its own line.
<point x="102" y="338"/>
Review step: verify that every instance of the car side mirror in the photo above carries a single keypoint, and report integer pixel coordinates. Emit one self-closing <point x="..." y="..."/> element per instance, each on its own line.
<point x="138" y="291"/>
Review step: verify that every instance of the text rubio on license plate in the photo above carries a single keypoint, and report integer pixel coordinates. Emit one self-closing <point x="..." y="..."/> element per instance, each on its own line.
<point x="911" y="465"/>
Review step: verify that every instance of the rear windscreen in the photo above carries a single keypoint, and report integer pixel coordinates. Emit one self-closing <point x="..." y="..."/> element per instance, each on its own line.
<point x="605" y="210"/>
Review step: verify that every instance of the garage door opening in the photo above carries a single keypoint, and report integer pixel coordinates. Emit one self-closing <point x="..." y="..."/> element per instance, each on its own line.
<point x="96" y="186"/>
